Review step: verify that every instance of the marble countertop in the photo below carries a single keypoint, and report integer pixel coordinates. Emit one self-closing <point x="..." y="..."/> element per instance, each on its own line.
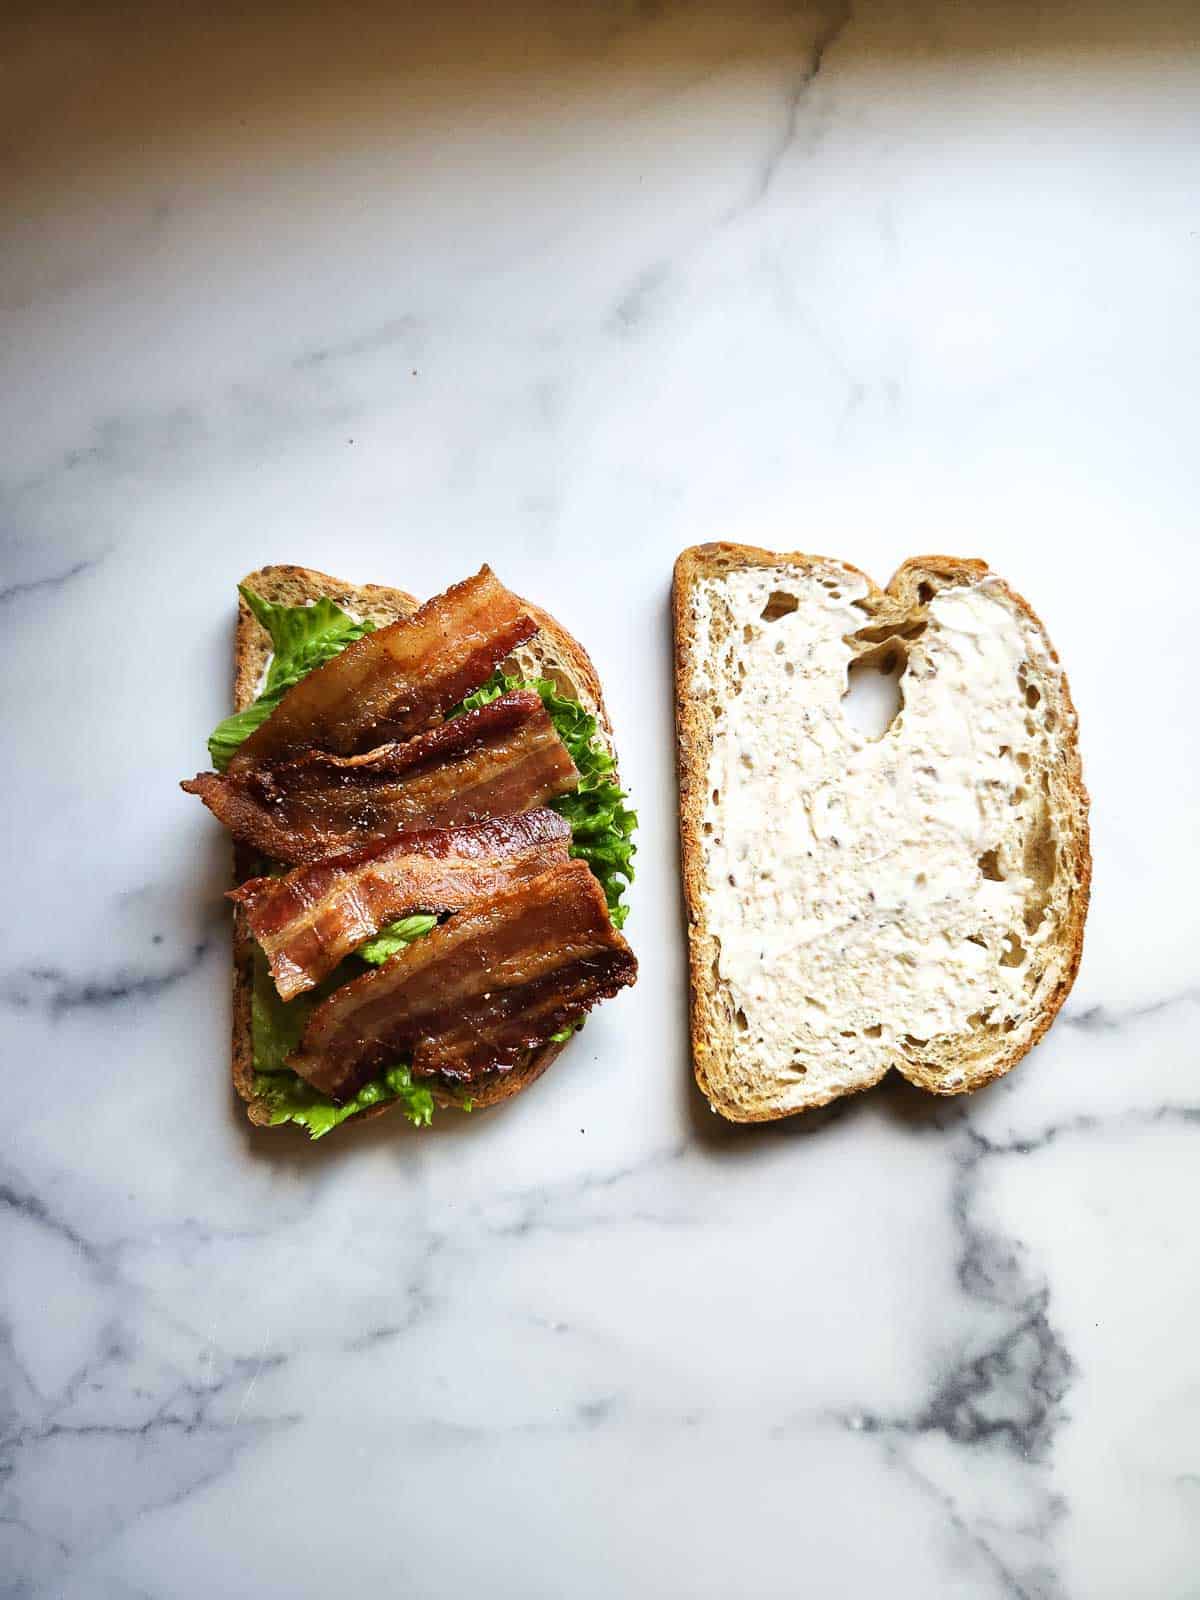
<point x="567" y="288"/>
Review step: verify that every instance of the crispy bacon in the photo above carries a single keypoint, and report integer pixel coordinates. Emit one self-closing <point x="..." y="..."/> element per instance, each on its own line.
<point x="392" y="683"/>
<point x="478" y="993"/>
<point x="501" y="758"/>
<point x="309" y="920"/>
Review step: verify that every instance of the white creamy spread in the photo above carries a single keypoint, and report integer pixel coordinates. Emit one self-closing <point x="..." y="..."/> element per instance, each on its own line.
<point x="844" y="875"/>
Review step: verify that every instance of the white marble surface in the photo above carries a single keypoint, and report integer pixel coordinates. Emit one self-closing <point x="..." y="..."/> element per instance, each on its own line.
<point x="567" y="287"/>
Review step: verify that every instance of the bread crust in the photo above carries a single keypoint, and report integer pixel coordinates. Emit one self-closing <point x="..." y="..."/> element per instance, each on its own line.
<point x="694" y="720"/>
<point x="552" y="652"/>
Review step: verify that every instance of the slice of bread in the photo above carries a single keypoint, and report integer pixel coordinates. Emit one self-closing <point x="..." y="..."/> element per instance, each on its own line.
<point x="551" y="653"/>
<point x="914" y="901"/>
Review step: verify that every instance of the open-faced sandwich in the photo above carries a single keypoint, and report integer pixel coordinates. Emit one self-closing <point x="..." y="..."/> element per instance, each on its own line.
<point x="431" y="847"/>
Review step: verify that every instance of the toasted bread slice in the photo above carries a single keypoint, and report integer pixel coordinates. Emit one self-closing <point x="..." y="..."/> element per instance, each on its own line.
<point x="551" y="653"/>
<point x="915" y="901"/>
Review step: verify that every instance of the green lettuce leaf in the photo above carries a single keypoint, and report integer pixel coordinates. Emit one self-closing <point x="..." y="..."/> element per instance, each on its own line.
<point x="290" y="1099"/>
<point x="303" y="637"/>
<point x="394" y="937"/>
<point x="602" y="825"/>
<point x="277" y="1027"/>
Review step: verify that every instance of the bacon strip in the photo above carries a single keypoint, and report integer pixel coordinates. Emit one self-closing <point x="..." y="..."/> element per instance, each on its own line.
<point x="390" y="684"/>
<point x="308" y="921"/>
<point x="502" y="758"/>
<point x="479" y="992"/>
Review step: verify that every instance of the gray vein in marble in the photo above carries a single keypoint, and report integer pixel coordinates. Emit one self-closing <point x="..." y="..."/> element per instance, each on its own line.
<point x="406" y="330"/>
<point x="642" y="299"/>
<point x="418" y="1297"/>
<point x="803" y="81"/>
<point x="606" y="1410"/>
<point x="144" y="1411"/>
<point x="594" y="1413"/>
<point x="1102" y="1019"/>
<point x="1007" y="1396"/>
<point x="373" y="1337"/>
<point x="57" y="993"/>
<point x="1186" y="1116"/>
<point x="1011" y="1394"/>
<point x="109" y="446"/>
<point x="534" y="1221"/>
<point x="18" y="1197"/>
<point x="1039" y="1582"/>
<point x="290" y="396"/>
<point x="188" y="1420"/>
<point x="769" y="166"/>
<point x="545" y="1209"/>
<point x="241" y="420"/>
<point x="54" y="580"/>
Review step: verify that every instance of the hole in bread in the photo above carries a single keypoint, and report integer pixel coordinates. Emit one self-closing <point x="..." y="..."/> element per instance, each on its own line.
<point x="873" y="694"/>
<point x="1040" y="861"/>
<point x="976" y="1019"/>
<point x="1050" y="720"/>
<point x="977" y="938"/>
<point x="920" y="881"/>
<point x="913" y="1042"/>
<point x="558" y="677"/>
<point x="1041" y="850"/>
<point x="790" y="668"/>
<point x="1017" y="796"/>
<point x="716" y="797"/>
<point x="989" y="865"/>
<point x="883" y="631"/>
<point x="847" y="1033"/>
<point x="1023" y="760"/>
<point x="781" y="604"/>
<point x="875" y="1031"/>
<point x="1009" y="1024"/>
<point x="1015" y="952"/>
<point x="708" y="827"/>
<point x="925" y="592"/>
<point x="747" y="761"/>
<point x="799" y="1069"/>
<point x="747" y="634"/>
<point x="740" y="1021"/>
<point x="1032" y="694"/>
